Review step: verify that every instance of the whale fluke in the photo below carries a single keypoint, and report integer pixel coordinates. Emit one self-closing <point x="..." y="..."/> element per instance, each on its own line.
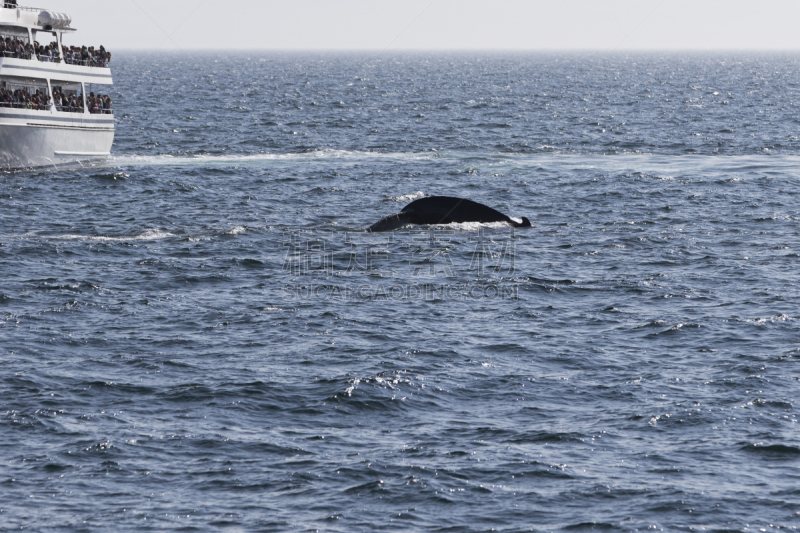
<point x="443" y="210"/>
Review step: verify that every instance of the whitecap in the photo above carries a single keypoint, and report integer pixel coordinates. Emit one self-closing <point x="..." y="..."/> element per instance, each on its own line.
<point x="149" y="235"/>
<point x="475" y="226"/>
<point x="264" y="158"/>
<point x="409" y="197"/>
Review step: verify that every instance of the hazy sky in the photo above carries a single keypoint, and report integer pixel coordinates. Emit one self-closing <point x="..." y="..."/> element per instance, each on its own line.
<point x="434" y="25"/>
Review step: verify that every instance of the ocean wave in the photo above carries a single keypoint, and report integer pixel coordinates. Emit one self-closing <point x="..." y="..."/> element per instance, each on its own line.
<point x="260" y="159"/>
<point x="468" y="227"/>
<point x="661" y="167"/>
<point x="149" y="235"/>
<point x="408" y="197"/>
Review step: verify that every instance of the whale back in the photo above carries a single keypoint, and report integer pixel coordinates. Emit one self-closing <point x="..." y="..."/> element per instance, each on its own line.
<point x="443" y="210"/>
<point x="390" y="223"/>
<point x="447" y="210"/>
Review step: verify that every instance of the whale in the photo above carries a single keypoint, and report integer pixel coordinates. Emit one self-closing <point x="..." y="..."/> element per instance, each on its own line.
<point x="443" y="210"/>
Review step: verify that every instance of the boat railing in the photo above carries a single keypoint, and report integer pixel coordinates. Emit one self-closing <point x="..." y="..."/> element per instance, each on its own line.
<point x="16" y="55"/>
<point x="51" y="59"/>
<point x="65" y="109"/>
<point x="84" y="63"/>
<point x="61" y="109"/>
<point x="9" y="5"/>
<point x="79" y="62"/>
<point x="22" y="105"/>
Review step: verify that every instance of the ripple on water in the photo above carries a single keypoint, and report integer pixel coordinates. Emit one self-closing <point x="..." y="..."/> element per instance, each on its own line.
<point x="168" y="364"/>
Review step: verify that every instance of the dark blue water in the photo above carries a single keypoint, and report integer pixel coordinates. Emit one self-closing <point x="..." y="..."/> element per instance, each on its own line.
<point x="198" y="335"/>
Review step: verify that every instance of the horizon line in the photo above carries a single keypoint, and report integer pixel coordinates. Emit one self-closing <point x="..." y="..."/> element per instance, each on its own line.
<point x="465" y="50"/>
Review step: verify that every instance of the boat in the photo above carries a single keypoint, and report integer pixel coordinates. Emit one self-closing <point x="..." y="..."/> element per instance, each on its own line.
<point x="49" y="113"/>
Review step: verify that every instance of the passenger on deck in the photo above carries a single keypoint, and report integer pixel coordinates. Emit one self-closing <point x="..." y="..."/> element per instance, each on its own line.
<point x="74" y="55"/>
<point x="39" y="101"/>
<point x="12" y="48"/>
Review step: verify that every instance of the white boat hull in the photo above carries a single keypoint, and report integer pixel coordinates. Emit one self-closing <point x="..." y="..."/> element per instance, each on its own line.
<point x="41" y="138"/>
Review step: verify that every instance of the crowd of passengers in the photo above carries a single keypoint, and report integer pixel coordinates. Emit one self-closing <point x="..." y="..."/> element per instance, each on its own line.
<point x="22" y="99"/>
<point x="73" y="55"/>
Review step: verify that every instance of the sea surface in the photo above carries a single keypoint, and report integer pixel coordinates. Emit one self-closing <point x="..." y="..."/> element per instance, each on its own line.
<point x="198" y="335"/>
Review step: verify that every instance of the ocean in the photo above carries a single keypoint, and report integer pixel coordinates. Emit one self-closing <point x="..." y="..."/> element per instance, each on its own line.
<point x="199" y="335"/>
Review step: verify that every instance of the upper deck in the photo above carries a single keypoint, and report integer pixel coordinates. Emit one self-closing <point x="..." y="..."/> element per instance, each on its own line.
<point x="22" y="15"/>
<point x="31" y="26"/>
<point x="34" y="68"/>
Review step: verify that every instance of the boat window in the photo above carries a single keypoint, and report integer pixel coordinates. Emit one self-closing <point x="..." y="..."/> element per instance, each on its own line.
<point x="24" y="93"/>
<point x="20" y="82"/>
<point x="12" y="32"/>
<point x="67" y="96"/>
<point x="46" y="46"/>
<point x="14" y="43"/>
<point x="83" y="55"/>
<point x="67" y="88"/>
<point x="44" y="37"/>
